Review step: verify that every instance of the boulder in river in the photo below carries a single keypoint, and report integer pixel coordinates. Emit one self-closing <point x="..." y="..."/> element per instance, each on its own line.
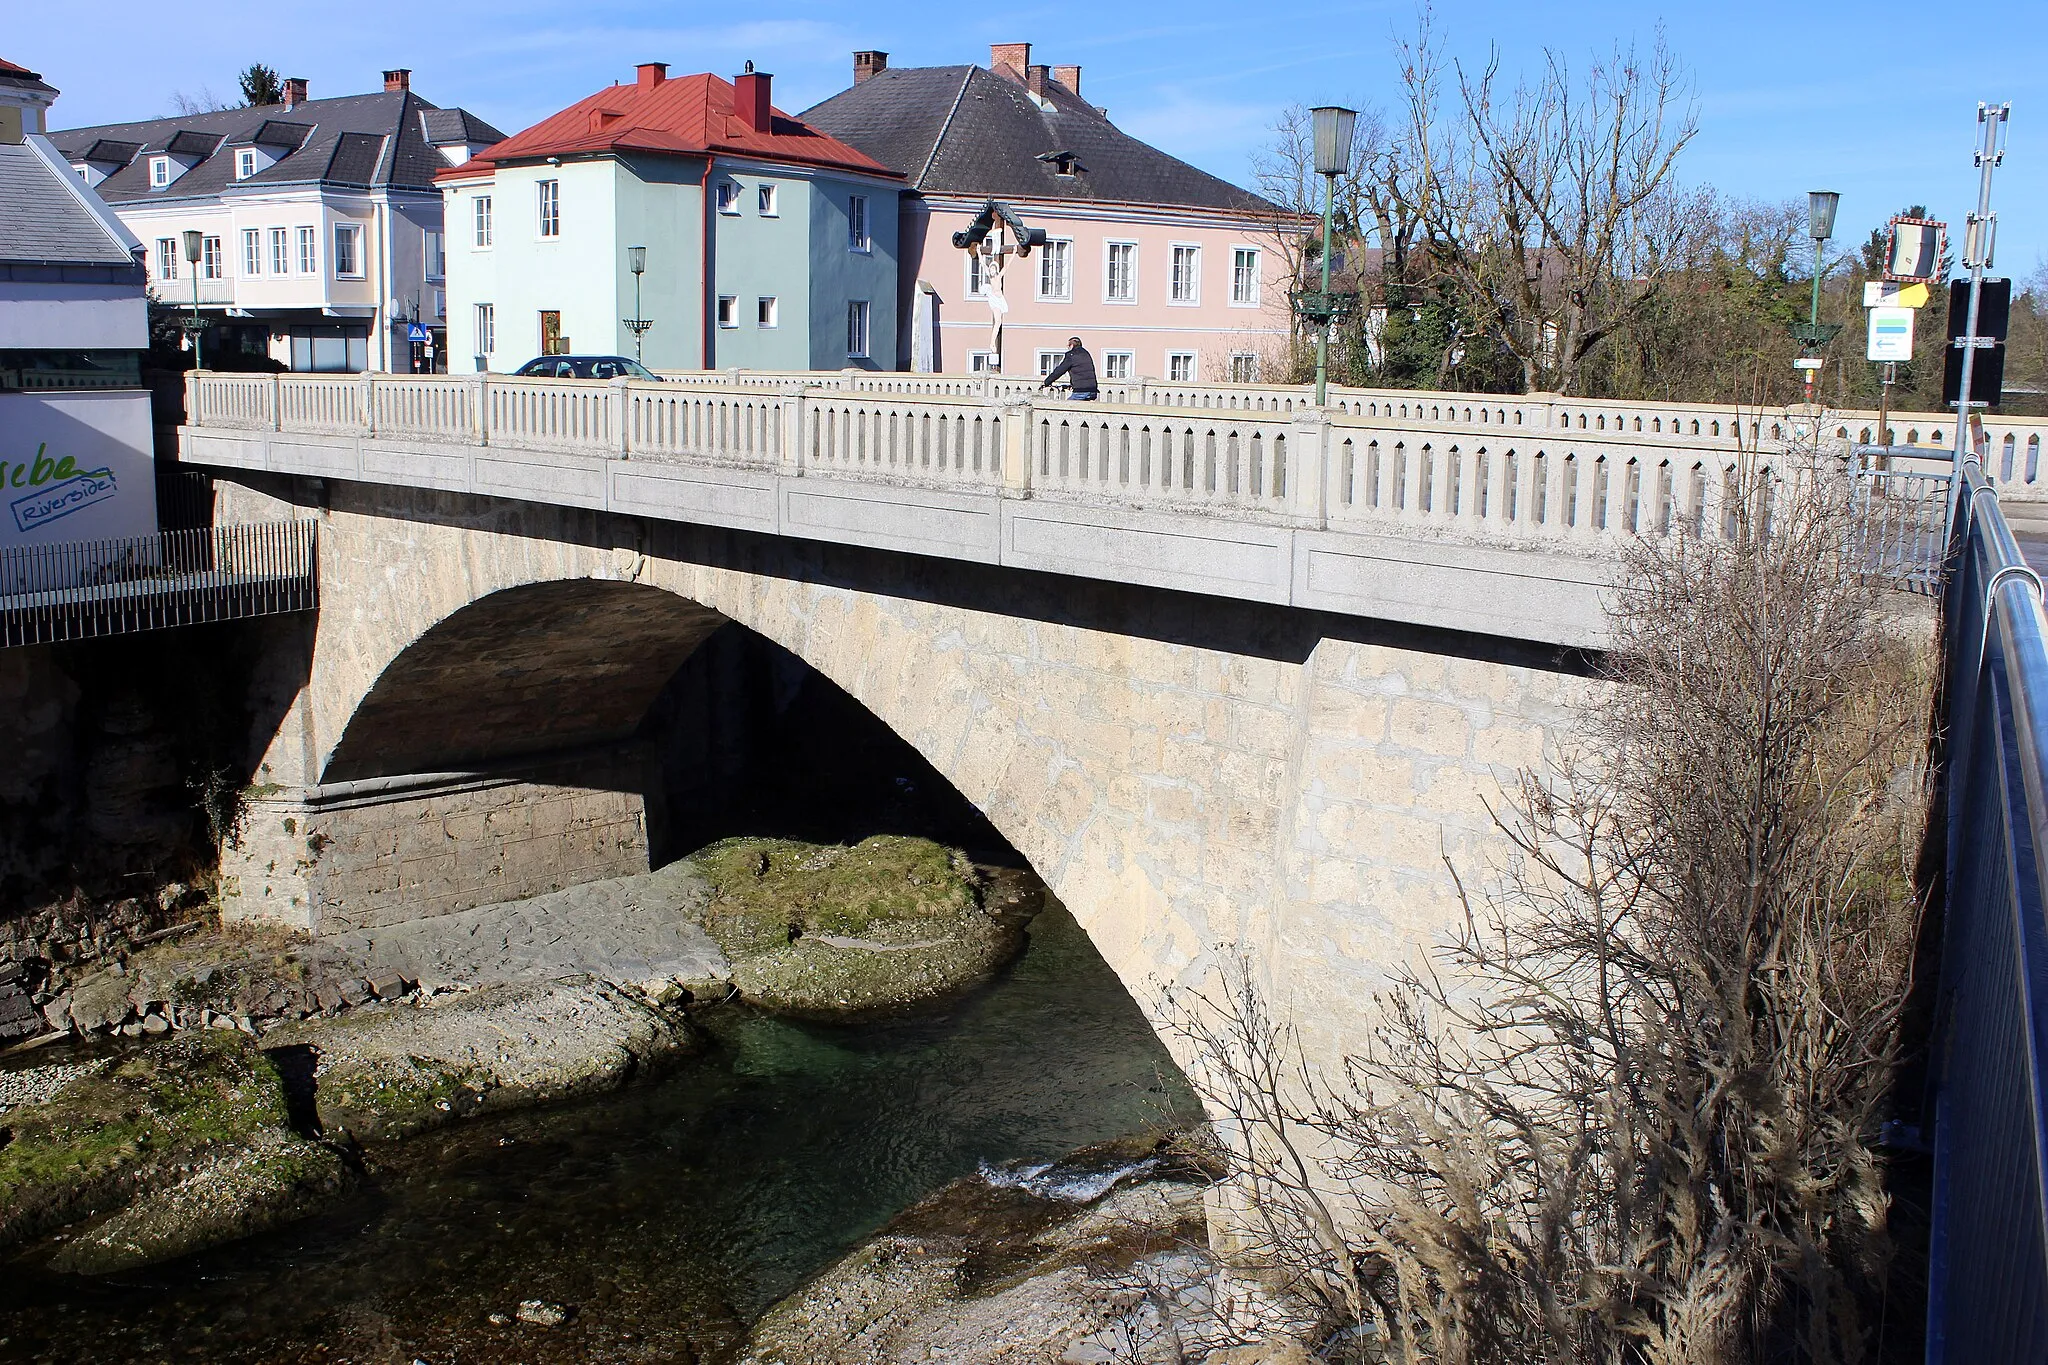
<point x="829" y="932"/>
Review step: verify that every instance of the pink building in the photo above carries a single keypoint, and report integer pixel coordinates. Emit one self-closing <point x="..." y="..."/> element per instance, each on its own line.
<point x="1031" y="218"/>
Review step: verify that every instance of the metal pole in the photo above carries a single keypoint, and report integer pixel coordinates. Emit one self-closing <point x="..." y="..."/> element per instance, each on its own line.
<point x="198" y="361"/>
<point x="1992" y="118"/>
<point x="1323" y="331"/>
<point x="1813" y="313"/>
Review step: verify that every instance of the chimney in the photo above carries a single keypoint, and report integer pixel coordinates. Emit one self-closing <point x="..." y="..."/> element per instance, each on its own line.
<point x="400" y="79"/>
<point x="651" y="74"/>
<point x="1009" y="59"/>
<point x="1068" y="76"/>
<point x="866" y="64"/>
<point x="294" y="91"/>
<point x="1035" y="78"/>
<point x="750" y="99"/>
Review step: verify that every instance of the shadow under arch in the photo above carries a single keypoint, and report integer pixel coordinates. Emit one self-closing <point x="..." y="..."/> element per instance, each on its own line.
<point x="523" y="671"/>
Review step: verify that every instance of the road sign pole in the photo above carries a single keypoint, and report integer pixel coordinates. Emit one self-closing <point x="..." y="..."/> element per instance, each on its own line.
<point x="1991" y="120"/>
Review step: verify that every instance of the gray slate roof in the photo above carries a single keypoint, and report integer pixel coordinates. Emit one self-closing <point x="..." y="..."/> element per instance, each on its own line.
<point x="365" y="141"/>
<point x="966" y="130"/>
<point x="42" y="221"/>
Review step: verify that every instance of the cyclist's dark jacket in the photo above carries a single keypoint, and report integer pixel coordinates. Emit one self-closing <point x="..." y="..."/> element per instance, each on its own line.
<point x="1077" y="367"/>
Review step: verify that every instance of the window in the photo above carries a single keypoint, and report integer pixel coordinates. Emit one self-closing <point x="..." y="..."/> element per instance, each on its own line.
<point x="212" y="260"/>
<point x="159" y="172"/>
<point x="1055" y="277"/>
<point x="552" y="342"/>
<point x="1244" y="368"/>
<point x="766" y="314"/>
<point x="550" y="193"/>
<point x="1244" y="277"/>
<point x="1120" y="273"/>
<point x="1180" y="367"/>
<point x="440" y="303"/>
<point x="729" y="197"/>
<point x="857" y="330"/>
<point x="728" y="310"/>
<point x="977" y="282"/>
<point x="766" y="202"/>
<point x="252" y="251"/>
<point x="348" y="255"/>
<point x="981" y="362"/>
<point x="1186" y="280"/>
<point x="167" y="258"/>
<point x="486" y="328"/>
<point x="280" y="252"/>
<point x="245" y="163"/>
<point x="309" y="251"/>
<point x="1117" y="364"/>
<point x="437" y="256"/>
<point x="1046" y="360"/>
<point x="481" y="215"/>
<point x="857" y="224"/>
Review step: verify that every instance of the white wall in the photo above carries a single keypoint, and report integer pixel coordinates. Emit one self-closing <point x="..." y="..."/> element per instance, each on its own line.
<point x="75" y="466"/>
<point x="72" y="317"/>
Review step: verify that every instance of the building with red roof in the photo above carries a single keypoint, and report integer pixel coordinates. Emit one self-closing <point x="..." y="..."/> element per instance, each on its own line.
<point x="765" y="242"/>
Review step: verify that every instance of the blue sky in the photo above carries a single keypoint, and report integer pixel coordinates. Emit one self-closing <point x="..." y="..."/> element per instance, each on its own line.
<point x="1876" y="103"/>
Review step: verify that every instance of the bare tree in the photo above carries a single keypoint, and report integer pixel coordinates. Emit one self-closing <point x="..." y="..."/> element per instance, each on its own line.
<point x="205" y="102"/>
<point x="1627" y="1113"/>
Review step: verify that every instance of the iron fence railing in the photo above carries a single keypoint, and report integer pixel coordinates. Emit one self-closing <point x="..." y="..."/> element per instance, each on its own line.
<point x="1903" y="521"/>
<point x="1988" y="1063"/>
<point x="81" y="589"/>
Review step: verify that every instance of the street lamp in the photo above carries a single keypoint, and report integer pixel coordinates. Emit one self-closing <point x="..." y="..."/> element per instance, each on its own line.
<point x="1820" y="225"/>
<point x="636" y="261"/>
<point x="195" y="250"/>
<point x="1333" y="127"/>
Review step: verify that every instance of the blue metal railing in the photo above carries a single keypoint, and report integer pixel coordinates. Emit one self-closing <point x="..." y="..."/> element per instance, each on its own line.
<point x="1988" y="1071"/>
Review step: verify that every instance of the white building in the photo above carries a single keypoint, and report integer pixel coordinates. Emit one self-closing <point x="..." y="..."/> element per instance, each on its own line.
<point x="321" y="244"/>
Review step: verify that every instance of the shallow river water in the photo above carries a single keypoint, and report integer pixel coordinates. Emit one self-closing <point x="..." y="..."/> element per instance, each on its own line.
<point x="667" y="1216"/>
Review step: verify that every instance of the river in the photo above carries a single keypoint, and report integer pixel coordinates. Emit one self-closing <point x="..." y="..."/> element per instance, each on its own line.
<point x="667" y="1216"/>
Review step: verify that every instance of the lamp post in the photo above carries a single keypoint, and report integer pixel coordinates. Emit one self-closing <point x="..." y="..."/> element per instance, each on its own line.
<point x="636" y="261"/>
<point x="1820" y="225"/>
<point x="1333" y="127"/>
<point x="195" y="250"/>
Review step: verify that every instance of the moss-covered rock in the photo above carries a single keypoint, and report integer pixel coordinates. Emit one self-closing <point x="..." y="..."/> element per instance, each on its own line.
<point x="121" y="1134"/>
<point x="822" y="931"/>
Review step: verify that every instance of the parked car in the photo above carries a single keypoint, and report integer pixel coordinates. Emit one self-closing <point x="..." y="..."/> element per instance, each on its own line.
<point x="584" y="367"/>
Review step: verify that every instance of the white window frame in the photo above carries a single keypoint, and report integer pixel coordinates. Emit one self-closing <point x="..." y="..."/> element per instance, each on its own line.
<point x="1191" y="297"/>
<point x="159" y="172"/>
<point x="547" y="207"/>
<point x="167" y="258"/>
<point x="728" y="311"/>
<point x="767" y="312"/>
<point x="1109" y="294"/>
<point x="280" y="251"/>
<point x="1194" y="367"/>
<point x="1250" y="365"/>
<point x="973" y="282"/>
<point x="729" y="198"/>
<point x="349" y="264"/>
<point x="480" y="223"/>
<point x="1046" y="359"/>
<point x="484" y="318"/>
<point x="1119" y="366"/>
<point x="245" y="163"/>
<point x="213" y="258"/>
<point x="1244" y="298"/>
<point x="309" y="251"/>
<point x="434" y="254"/>
<point x="767" y="201"/>
<point x="857" y="235"/>
<point x="252" y="252"/>
<point x="983" y="362"/>
<point x="1059" y="249"/>
<point x="859" y="334"/>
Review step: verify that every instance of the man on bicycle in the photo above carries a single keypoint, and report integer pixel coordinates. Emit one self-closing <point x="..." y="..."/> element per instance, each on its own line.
<point x="1077" y="367"/>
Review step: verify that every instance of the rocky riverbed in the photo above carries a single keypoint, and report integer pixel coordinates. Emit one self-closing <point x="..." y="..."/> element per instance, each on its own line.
<point x="219" y="1083"/>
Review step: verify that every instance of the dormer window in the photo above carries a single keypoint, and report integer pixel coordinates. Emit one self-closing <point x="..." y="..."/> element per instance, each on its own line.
<point x="159" y="172"/>
<point x="1064" y="164"/>
<point x="245" y="163"/>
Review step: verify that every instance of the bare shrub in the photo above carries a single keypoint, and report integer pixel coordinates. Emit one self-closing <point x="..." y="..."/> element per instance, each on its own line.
<point x="1626" y="1113"/>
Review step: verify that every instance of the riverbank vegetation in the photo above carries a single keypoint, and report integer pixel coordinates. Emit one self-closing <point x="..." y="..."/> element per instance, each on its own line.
<point x="1629" y="1110"/>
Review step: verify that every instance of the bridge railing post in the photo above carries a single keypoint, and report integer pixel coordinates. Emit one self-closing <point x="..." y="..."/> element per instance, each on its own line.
<point x="792" y="414"/>
<point x="479" y="419"/>
<point x="1017" y="417"/>
<point x="1309" y="467"/>
<point x="367" y="396"/>
<point x="621" y="402"/>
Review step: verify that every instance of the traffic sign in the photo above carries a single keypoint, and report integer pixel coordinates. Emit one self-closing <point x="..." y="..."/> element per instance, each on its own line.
<point x="418" y="332"/>
<point x="1891" y="294"/>
<point x="1891" y="334"/>
<point x="1808" y="362"/>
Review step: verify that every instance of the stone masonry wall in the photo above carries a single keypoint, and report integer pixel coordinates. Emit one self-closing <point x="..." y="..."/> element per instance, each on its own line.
<point x="1196" y="779"/>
